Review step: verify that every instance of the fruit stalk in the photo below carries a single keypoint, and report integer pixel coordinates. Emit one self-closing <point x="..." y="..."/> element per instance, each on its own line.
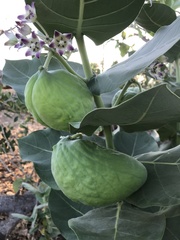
<point x="48" y="59"/>
<point x="63" y="62"/>
<point x="88" y="73"/>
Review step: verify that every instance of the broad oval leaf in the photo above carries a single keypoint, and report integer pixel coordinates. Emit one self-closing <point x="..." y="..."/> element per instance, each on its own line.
<point x="150" y="19"/>
<point x="62" y="209"/>
<point x="134" y="143"/>
<point x="121" y="221"/>
<point x="37" y="148"/>
<point x="150" y="109"/>
<point x="117" y="75"/>
<point x="172" y="231"/>
<point x="163" y="182"/>
<point x="99" y="19"/>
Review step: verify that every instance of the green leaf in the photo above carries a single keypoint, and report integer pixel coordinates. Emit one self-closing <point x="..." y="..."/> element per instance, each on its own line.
<point x="117" y="75"/>
<point x="163" y="182"/>
<point x="17" y="184"/>
<point x="172" y="211"/>
<point x="147" y="110"/>
<point x="134" y="143"/>
<point x="118" y="222"/>
<point x="62" y="209"/>
<point x="168" y="132"/>
<point x="99" y="19"/>
<point x="150" y="19"/>
<point x="37" y="148"/>
<point x="16" y="73"/>
<point x="172" y="231"/>
<point x="124" y="48"/>
<point x="174" y="52"/>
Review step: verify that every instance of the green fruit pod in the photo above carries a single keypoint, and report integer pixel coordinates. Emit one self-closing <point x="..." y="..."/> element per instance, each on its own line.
<point x="28" y="97"/>
<point x="93" y="175"/>
<point x="131" y="92"/>
<point x="56" y="98"/>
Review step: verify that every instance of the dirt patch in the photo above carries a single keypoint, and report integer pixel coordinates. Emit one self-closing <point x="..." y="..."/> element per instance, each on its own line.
<point x="11" y="165"/>
<point x="15" y="123"/>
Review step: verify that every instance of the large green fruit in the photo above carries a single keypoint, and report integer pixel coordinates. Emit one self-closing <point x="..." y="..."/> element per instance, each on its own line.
<point x="57" y="97"/>
<point x="93" y="175"/>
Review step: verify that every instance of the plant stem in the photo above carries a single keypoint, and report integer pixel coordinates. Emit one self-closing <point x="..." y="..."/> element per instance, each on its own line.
<point x="88" y="73"/>
<point x="63" y="62"/>
<point x="48" y="59"/>
<point x="42" y="28"/>
<point x="107" y="129"/>
<point x="177" y="64"/>
<point x="126" y="86"/>
<point x="66" y="65"/>
<point x="59" y="58"/>
<point x="84" y="57"/>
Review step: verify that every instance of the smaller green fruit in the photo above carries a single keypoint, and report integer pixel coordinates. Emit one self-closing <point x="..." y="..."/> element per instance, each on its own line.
<point x="93" y="175"/>
<point x="131" y="92"/>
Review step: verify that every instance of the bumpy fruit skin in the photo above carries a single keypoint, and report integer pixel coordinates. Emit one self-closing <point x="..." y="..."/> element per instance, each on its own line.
<point x="88" y="173"/>
<point x="57" y="97"/>
<point x="28" y="97"/>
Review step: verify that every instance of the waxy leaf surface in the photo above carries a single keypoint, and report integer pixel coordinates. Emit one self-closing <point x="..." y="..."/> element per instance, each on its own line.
<point x="116" y="222"/>
<point x="147" y="110"/>
<point x="97" y="19"/>
<point x="37" y="148"/>
<point x="120" y="73"/>
<point x="163" y="182"/>
<point x="134" y="143"/>
<point x="62" y="209"/>
<point x="150" y="19"/>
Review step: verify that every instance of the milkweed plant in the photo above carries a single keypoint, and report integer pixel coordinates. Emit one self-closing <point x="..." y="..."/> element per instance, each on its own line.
<point x="95" y="123"/>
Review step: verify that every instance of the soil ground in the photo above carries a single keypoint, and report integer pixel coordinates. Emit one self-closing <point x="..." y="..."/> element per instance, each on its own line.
<point x="11" y="164"/>
<point x="11" y="167"/>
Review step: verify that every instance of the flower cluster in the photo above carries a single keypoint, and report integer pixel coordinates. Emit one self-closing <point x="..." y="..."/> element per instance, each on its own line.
<point x="158" y="70"/>
<point x="25" y="37"/>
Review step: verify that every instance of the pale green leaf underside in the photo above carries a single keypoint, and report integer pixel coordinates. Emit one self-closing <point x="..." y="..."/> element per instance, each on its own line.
<point x="116" y="76"/>
<point x="116" y="222"/>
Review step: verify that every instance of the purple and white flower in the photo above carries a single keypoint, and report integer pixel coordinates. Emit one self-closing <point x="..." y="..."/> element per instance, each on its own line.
<point x="62" y="42"/>
<point x="34" y="45"/>
<point x="13" y="40"/>
<point x="30" y="15"/>
<point x="24" y="29"/>
<point x="158" y="70"/>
